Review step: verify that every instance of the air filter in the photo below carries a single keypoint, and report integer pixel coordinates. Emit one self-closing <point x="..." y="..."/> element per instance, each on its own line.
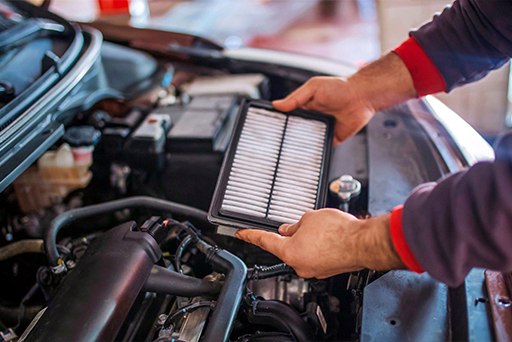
<point x="275" y="168"/>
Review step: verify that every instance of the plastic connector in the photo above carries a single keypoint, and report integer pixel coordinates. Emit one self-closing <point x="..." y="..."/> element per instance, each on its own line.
<point x="155" y="227"/>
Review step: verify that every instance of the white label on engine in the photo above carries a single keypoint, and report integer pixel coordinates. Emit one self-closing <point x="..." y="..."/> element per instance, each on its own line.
<point x="321" y="318"/>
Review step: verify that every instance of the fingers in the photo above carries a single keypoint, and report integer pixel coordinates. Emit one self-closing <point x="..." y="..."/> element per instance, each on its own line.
<point x="288" y="229"/>
<point x="268" y="241"/>
<point x="296" y="99"/>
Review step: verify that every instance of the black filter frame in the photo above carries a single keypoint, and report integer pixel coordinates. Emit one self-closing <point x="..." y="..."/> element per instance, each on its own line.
<point x="221" y="217"/>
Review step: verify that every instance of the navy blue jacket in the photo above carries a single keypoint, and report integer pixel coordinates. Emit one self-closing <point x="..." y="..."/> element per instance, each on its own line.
<point x="465" y="221"/>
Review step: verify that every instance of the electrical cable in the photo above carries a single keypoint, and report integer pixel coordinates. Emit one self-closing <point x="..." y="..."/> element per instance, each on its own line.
<point x="25" y="299"/>
<point x="43" y="274"/>
<point x="179" y="252"/>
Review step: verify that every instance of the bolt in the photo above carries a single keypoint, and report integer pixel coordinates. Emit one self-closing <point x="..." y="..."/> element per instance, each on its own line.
<point x="70" y="264"/>
<point x="161" y="319"/>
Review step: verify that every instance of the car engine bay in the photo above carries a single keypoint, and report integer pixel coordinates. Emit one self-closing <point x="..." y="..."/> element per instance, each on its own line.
<point x="117" y="169"/>
<point x="105" y="235"/>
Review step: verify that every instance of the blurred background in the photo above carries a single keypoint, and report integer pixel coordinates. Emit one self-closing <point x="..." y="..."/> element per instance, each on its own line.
<point x="355" y="31"/>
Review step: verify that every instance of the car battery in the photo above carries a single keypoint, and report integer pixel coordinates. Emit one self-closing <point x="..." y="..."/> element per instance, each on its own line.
<point x="202" y="124"/>
<point x="146" y="145"/>
<point x="195" y="147"/>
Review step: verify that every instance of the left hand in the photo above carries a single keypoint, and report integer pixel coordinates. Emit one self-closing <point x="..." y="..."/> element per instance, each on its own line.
<point x="328" y="242"/>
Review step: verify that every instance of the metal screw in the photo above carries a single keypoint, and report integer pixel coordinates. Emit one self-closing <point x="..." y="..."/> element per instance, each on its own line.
<point x="161" y="319"/>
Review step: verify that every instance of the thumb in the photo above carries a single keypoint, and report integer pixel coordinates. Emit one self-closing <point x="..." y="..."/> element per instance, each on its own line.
<point x="296" y="99"/>
<point x="288" y="229"/>
<point x="271" y="242"/>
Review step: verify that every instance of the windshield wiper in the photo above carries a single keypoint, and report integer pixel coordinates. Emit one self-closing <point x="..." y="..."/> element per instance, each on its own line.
<point x="26" y="31"/>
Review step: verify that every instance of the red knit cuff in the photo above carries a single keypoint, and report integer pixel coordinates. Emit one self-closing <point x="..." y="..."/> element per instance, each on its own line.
<point x="398" y="238"/>
<point x="426" y="77"/>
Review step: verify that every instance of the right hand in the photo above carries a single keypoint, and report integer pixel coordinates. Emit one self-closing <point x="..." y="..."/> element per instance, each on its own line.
<point x="335" y="96"/>
<point x="354" y="101"/>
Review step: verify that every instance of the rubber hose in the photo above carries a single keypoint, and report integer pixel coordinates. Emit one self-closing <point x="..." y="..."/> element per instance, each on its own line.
<point x="265" y="272"/>
<point x="281" y="316"/>
<point x="163" y="280"/>
<point x="10" y="315"/>
<point x="221" y="322"/>
<point x="50" y="239"/>
<point x="21" y="247"/>
<point x="179" y="252"/>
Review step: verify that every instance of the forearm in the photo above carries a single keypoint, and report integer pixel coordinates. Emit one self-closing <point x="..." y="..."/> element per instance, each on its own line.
<point x="376" y="249"/>
<point x="465" y="221"/>
<point x="384" y="83"/>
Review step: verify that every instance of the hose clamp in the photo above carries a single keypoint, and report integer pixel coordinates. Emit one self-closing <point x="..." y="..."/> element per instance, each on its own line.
<point x="61" y="268"/>
<point x="211" y="253"/>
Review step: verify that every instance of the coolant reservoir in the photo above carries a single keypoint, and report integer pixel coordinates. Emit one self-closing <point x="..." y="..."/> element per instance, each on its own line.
<point x="56" y="175"/>
<point x="61" y="165"/>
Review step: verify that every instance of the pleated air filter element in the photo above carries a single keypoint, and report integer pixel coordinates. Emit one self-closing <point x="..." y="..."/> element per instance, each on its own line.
<point x="275" y="168"/>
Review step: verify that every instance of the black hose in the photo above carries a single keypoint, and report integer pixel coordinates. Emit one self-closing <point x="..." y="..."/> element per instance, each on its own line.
<point x="22" y="309"/>
<point x="265" y="272"/>
<point x="71" y="216"/>
<point x="179" y="252"/>
<point x="10" y="315"/>
<point x="281" y="316"/>
<point x="163" y="280"/>
<point x="230" y="297"/>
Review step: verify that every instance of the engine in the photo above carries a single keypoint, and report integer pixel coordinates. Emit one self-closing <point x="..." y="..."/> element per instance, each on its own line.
<point x="106" y="236"/>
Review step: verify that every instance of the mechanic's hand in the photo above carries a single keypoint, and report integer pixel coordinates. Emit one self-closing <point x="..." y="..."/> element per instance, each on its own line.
<point x="335" y="96"/>
<point x="327" y="242"/>
<point x="355" y="100"/>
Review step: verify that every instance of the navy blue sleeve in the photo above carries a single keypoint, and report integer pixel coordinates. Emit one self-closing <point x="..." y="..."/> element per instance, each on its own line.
<point x="465" y="221"/>
<point x="468" y="39"/>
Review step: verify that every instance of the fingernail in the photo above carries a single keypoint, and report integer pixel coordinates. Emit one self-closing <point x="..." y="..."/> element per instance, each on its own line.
<point x="237" y="235"/>
<point x="283" y="229"/>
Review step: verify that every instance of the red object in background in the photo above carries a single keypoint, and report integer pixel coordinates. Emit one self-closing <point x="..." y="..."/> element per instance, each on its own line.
<point x="109" y="7"/>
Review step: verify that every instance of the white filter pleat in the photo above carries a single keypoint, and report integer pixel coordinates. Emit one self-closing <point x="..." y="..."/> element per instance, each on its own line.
<point x="276" y="166"/>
